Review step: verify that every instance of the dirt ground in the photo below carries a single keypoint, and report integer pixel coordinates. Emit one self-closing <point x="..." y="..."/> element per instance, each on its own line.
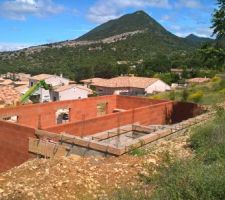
<point x="82" y="178"/>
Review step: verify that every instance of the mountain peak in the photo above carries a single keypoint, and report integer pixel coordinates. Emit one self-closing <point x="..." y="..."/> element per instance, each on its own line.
<point x="139" y="12"/>
<point x="194" y="38"/>
<point x="138" y="20"/>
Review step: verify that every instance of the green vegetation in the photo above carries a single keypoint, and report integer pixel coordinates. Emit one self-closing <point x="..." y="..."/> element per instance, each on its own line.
<point x="196" y="97"/>
<point x="215" y="53"/>
<point x="138" y="152"/>
<point x="197" y="178"/>
<point x="207" y="93"/>
<point x="153" y="52"/>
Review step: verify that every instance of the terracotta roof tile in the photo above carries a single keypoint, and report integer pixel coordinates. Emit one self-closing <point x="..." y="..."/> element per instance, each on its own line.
<point x="41" y="77"/>
<point x="198" y="80"/>
<point x="67" y="87"/>
<point x="93" y="80"/>
<point x="126" y="81"/>
<point x="9" y="95"/>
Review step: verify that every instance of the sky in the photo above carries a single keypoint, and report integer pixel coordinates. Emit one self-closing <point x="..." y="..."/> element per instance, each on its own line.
<point x="26" y="23"/>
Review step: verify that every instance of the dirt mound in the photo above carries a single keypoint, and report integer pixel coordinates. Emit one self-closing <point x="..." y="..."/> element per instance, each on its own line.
<point x="81" y="178"/>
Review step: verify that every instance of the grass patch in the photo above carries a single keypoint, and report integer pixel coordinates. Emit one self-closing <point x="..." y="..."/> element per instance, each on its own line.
<point x="207" y="93"/>
<point x="138" y="152"/>
<point x="199" y="178"/>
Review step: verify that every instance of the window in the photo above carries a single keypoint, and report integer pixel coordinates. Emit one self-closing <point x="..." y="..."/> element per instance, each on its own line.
<point x="13" y="119"/>
<point x="102" y="108"/>
<point x="62" y="115"/>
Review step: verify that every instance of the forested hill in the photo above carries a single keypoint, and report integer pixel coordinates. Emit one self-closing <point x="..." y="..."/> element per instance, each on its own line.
<point x="198" y="40"/>
<point x="127" y="23"/>
<point x="118" y="46"/>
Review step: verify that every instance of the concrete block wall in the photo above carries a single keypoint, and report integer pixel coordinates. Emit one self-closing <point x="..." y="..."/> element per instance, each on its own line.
<point x="13" y="144"/>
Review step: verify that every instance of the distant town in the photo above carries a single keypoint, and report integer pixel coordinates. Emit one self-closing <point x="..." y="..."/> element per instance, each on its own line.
<point x="13" y="86"/>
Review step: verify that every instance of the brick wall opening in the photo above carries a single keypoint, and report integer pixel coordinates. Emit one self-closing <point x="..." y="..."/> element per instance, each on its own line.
<point x="62" y="115"/>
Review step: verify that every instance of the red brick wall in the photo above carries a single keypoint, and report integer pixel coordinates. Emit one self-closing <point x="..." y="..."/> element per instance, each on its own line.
<point x="14" y="137"/>
<point x="13" y="144"/>
<point x="45" y="114"/>
<point x="126" y="102"/>
<point x="183" y="111"/>
<point x="154" y="114"/>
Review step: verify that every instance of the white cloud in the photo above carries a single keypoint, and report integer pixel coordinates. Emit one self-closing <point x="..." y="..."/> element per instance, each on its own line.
<point x="166" y="18"/>
<point x="103" y="11"/>
<point x="189" y="4"/>
<point x="13" y="46"/>
<point x="19" y="9"/>
<point x="200" y="31"/>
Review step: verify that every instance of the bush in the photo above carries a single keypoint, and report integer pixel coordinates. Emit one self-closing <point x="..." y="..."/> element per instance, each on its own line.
<point x="219" y="84"/>
<point x="172" y="95"/>
<point x="191" y="180"/>
<point x="195" y="97"/>
<point x="138" y="152"/>
<point x="156" y="97"/>
<point x="209" y="141"/>
<point x="184" y="95"/>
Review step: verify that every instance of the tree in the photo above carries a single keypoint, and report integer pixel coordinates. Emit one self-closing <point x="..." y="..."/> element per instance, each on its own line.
<point x="216" y="54"/>
<point x="218" y="21"/>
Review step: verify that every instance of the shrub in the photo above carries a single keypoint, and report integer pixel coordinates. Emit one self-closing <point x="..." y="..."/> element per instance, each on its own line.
<point x="172" y="95"/>
<point x="219" y="84"/>
<point x="138" y="152"/>
<point x="184" y="95"/>
<point x="209" y="141"/>
<point x="156" y="97"/>
<point x="195" y="97"/>
<point x="216" y="79"/>
<point x="191" y="180"/>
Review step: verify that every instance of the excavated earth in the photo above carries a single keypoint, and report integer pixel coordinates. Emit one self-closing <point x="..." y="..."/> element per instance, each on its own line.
<point x="83" y="178"/>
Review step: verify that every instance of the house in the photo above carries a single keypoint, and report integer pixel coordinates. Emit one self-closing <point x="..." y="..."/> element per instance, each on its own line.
<point x="20" y="83"/>
<point x="22" y="89"/>
<point x="198" y="80"/>
<point x="5" y="82"/>
<point x="16" y="76"/>
<point x="70" y="92"/>
<point x="129" y="85"/>
<point x="54" y="80"/>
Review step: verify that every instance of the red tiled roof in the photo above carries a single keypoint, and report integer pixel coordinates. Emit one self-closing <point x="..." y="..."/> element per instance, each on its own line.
<point x="9" y="95"/>
<point x="41" y="77"/>
<point x="93" y="80"/>
<point x="198" y="80"/>
<point x="67" y="87"/>
<point x="126" y="81"/>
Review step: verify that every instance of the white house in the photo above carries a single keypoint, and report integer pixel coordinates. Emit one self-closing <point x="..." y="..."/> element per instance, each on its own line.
<point x="70" y="92"/>
<point x="128" y="85"/>
<point x="54" y="80"/>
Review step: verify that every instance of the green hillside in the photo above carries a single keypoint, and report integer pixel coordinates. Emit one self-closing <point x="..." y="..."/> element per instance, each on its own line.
<point x="196" y="40"/>
<point x="155" y="45"/>
<point x="127" y="23"/>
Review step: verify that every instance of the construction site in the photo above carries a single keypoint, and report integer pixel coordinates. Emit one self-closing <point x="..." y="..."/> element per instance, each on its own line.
<point x="99" y="126"/>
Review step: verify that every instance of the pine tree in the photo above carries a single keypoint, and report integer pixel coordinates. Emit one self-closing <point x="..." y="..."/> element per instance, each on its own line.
<point x="218" y="21"/>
